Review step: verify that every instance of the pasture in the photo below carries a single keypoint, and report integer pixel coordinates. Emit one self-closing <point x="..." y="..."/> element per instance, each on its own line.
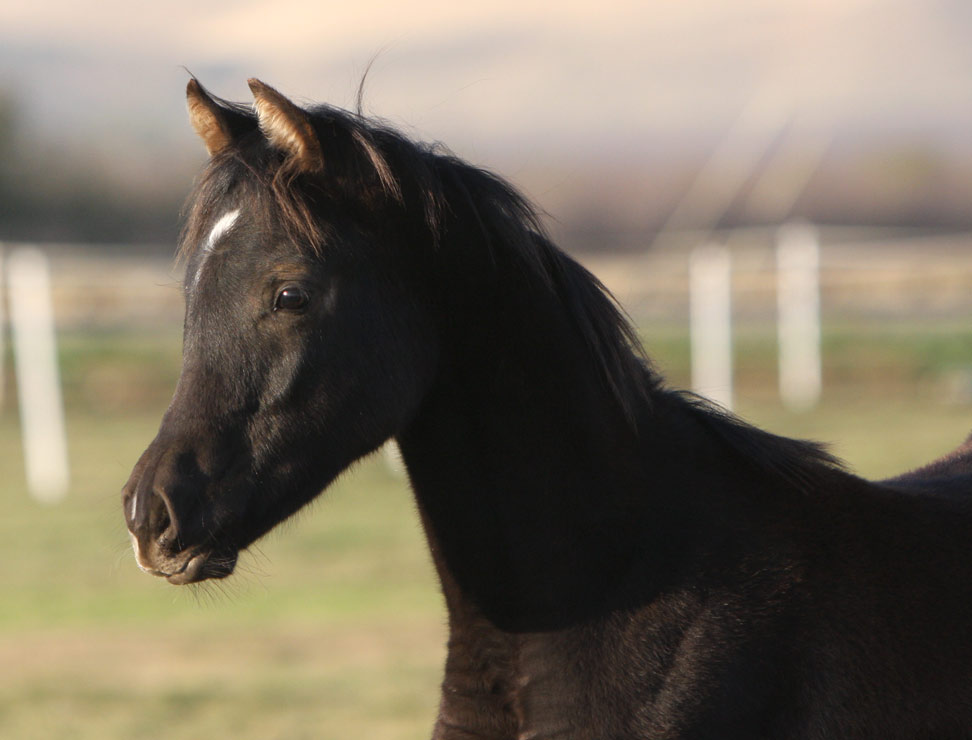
<point x="333" y="627"/>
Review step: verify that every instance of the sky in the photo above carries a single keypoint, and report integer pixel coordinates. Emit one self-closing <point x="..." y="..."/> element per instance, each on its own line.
<point x="507" y="79"/>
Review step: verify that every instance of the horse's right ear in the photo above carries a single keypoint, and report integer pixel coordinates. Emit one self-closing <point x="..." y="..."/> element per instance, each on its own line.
<point x="217" y="125"/>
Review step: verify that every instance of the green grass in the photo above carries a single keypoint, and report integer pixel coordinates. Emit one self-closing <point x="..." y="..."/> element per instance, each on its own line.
<point x="334" y="626"/>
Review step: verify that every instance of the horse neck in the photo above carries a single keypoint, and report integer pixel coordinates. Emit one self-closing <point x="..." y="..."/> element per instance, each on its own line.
<point x="540" y="498"/>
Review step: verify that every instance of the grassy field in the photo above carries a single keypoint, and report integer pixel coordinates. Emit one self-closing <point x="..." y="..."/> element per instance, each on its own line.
<point x="333" y="627"/>
<point x="333" y="624"/>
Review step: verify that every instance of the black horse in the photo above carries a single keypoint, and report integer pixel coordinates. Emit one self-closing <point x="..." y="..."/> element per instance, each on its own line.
<point x="619" y="560"/>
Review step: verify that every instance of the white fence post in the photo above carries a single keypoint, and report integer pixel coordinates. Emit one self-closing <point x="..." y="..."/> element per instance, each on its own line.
<point x="38" y="385"/>
<point x="710" y="318"/>
<point x="798" y="308"/>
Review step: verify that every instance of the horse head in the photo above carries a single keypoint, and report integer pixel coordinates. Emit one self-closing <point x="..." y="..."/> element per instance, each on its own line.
<point x="305" y="347"/>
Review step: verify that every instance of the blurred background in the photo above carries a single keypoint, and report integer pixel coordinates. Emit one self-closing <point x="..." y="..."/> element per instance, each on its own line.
<point x="643" y="129"/>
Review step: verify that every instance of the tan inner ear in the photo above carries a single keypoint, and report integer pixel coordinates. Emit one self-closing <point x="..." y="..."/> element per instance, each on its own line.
<point x="206" y="119"/>
<point x="287" y="127"/>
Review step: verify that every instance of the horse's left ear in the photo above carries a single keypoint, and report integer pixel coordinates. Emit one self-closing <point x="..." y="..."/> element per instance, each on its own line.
<point x="287" y="127"/>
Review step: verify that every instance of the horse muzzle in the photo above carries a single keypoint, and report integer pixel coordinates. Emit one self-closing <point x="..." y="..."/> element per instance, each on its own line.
<point x="170" y="534"/>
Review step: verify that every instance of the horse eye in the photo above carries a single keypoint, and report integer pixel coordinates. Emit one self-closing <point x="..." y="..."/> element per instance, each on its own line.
<point x="290" y="299"/>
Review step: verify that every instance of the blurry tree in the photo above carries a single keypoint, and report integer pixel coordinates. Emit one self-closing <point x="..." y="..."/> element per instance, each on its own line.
<point x="6" y="123"/>
<point x="50" y="192"/>
<point x="8" y="156"/>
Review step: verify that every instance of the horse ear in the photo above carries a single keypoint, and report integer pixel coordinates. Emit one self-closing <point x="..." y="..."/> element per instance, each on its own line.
<point x="287" y="127"/>
<point x="210" y="120"/>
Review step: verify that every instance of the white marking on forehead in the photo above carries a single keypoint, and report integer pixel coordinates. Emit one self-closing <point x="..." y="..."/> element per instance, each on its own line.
<point x="224" y="224"/>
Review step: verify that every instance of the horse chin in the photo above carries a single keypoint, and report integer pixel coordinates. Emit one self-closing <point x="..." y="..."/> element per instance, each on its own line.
<point x="191" y="566"/>
<point x="203" y="566"/>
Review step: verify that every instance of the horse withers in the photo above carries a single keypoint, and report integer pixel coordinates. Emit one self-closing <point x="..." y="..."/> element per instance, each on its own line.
<point x="618" y="559"/>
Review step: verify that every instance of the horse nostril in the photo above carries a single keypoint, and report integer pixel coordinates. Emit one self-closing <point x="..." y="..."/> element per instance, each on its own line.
<point x="161" y="515"/>
<point x="149" y="513"/>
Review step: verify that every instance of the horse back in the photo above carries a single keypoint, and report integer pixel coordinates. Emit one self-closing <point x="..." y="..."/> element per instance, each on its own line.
<point x="884" y="618"/>
<point x="952" y="470"/>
